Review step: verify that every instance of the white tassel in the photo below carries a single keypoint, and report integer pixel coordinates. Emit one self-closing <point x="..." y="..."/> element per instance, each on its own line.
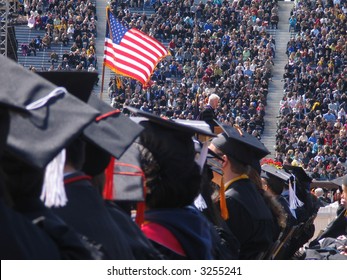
<point x="200" y="203"/>
<point x="53" y="190"/>
<point x="294" y="201"/>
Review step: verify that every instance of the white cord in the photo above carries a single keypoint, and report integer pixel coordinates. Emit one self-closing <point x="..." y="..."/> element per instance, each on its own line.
<point x="53" y="190"/>
<point x="43" y="101"/>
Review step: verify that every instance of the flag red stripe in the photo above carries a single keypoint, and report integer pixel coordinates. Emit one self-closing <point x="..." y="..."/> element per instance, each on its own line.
<point x="135" y="56"/>
<point x="127" y="73"/>
<point x="139" y="52"/>
<point x="122" y="69"/>
<point x="131" y="56"/>
<point x="157" y="45"/>
<point x="125" y="63"/>
<point x="140" y="46"/>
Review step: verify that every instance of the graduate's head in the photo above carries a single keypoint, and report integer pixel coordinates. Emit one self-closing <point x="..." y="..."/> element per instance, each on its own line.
<point x="275" y="180"/>
<point x="111" y="132"/>
<point x="22" y="180"/>
<point x="239" y="150"/>
<point x="172" y="176"/>
<point x="168" y="161"/>
<point x="35" y="122"/>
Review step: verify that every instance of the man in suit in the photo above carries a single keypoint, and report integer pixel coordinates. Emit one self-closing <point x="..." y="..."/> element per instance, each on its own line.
<point x="208" y="113"/>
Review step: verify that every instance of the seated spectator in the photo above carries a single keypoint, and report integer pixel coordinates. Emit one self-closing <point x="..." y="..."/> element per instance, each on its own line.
<point x="321" y="200"/>
<point x="54" y="57"/>
<point x="32" y="47"/>
<point x="46" y="42"/>
<point x="329" y="117"/>
<point x="31" y="21"/>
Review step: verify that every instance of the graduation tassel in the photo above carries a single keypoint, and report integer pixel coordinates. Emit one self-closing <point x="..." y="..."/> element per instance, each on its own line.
<point x="200" y="203"/>
<point x="222" y="201"/>
<point x="108" y="187"/>
<point x="53" y="190"/>
<point x="294" y="201"/>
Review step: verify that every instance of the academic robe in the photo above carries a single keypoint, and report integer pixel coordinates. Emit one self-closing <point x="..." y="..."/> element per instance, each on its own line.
<point x="86" y="212"/>
<point x="141" y="247"/>
<point x="188" y="234"/>
<point x="70" y="243"/>
<point x="20" y="239"/>
<point x="249" y="219"/>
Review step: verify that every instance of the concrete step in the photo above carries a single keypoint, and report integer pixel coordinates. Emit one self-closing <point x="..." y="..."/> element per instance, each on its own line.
<point x="41" y="61"/>
<point x="276" y="86"/>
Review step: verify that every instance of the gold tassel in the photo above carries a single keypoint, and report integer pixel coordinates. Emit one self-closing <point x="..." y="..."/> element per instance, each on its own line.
<point x="222" y="202"/>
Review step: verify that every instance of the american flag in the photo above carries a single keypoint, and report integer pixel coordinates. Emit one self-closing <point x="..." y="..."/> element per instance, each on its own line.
<point x="130" y="52"/>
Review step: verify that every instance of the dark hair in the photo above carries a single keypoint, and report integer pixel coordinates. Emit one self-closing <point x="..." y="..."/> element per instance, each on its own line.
<point x="167" y="159"/>
<point x="275" y="185"/>
<point x="274" y="206"/>
<point x="238" y="167"/>
<point x="75" y="153"/>
<point x="21" y="179"/>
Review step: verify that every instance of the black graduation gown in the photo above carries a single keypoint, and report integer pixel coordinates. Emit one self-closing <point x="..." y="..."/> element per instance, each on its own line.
<point x="20" y="239"/>
<point x="208" y="115"/>
<point x="290" y="221"/>
<point x="86" y="212"/>
<point x="329" y="249"/>
<point x="193" y="232"/>
<point x="249" y="218"/>
<point x="71" y="244"/>
<point x="141" y="247"/>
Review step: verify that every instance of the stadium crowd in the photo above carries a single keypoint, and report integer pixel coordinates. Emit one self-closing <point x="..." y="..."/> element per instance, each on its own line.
<point x="226" y="48"/>
<point x="188" y="208"/>
<point x="312" y="127"/>
<point x="223" y="47"/>
<point x="70" y="23"/>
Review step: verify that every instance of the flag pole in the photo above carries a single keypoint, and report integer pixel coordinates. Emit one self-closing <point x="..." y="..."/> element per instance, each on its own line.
<point x="102" y="80"/>
<point x="103" y="61"/>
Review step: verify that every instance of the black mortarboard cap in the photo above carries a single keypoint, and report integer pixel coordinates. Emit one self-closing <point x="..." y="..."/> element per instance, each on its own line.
<point x="112" y="130"/>
<point x="277" y="179"/>
<point x="298" y="172"/>
<point x="214" y="164"/>
<point x="128" y="178"/>
<point x="49" y="118"/>
<point x="338" y="181"/>
<point x="327" y="185"/>
<point x="96" y="159"/>
<point x="180" y="126"/>
<point x="201" y="125"/>
<point x="213" y="161"/>
<point x="177" y="151"/>
<point x="239" y="145"/>
<point x="269" y="170"/>
<point x="78" y="83"/>
<point x="263" y="174"/>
